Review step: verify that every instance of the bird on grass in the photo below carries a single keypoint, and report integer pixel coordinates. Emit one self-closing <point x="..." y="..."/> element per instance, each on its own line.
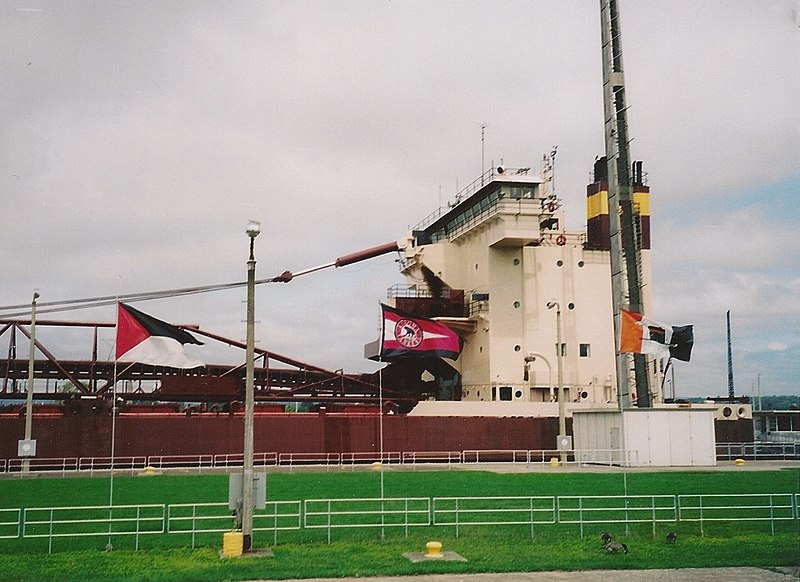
<point x="614" y="547"/>
<point x="605" y="537"/>
<point x="671" y="537"/>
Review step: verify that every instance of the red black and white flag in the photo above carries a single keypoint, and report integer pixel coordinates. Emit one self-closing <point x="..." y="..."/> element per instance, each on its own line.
<point x="639" y="335"/>
<point x="408" y="336"/>
<point x="143" y="339"/>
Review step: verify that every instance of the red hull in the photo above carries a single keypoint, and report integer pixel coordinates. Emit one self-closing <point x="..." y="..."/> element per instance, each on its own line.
<point x="145" y="434"/>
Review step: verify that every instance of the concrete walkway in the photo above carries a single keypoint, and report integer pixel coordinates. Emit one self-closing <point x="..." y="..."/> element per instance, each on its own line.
<point x="683" y="575"/>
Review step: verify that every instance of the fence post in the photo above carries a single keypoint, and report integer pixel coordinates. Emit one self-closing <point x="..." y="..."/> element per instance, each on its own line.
<point x="702" y="529"/>
<point x="771" y="514"/>
<point x="329" y="521"/>
<point x="456" y="517"/>
<point x="405" y="516"/>
<point x="275" y="523"/>
<point x="653" y="504"/>
<point x="194" y="523"/>
<point x="50" y="534"/>
<point x="138" y="516"/>
<point x="531" y="507"/>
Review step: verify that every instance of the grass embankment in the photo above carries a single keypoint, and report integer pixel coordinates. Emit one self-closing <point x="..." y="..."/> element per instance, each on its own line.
<point x="362" y="553"/>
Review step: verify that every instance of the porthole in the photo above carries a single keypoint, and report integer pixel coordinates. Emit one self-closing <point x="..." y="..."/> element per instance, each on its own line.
<point x="517" y="348"/>
<point x="571" y="306"/>
<point x="581" y="263"/>
<point x="517" y="304"/>
<point x="516" y="262"/>
<point x="559" y="263"/>
<point x="518" y="394"/>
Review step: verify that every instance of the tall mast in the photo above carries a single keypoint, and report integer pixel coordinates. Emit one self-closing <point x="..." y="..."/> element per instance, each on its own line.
<point x="626" y="278"/>
<point x="731" y="393"/>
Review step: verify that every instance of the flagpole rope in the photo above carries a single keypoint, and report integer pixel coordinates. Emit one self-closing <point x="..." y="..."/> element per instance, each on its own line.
<point x="110" y="546"/>
<point x="102" y="301"/>
<point x="380" y="421"/>
<point x="285" y="277"/>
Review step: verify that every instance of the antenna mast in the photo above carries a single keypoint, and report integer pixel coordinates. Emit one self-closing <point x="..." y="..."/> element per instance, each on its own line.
<point x="730" y="359"/>
<point x="626" y="280"/>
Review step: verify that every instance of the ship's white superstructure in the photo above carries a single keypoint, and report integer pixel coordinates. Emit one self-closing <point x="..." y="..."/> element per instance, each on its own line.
<point x="501" y="251"/>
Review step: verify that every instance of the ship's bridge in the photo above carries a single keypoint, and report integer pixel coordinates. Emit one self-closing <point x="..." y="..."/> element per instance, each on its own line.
<point x="510" y="203"/>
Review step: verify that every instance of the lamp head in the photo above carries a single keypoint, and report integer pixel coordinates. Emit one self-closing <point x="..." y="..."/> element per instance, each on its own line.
<point x="253" y="229"/>
<point x="551" y="304"/>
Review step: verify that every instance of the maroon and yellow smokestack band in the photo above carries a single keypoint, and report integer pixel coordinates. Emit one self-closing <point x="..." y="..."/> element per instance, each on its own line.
<point x="597" y="225"/>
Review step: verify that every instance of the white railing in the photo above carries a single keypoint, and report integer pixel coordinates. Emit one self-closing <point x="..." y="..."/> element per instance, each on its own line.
<point x="759" y="451"/>
<point x="98" y="520"/>
<point x="342" y="514"/>
<point x="390" y="458"/>
<point x="769" y="507"/>
<point x="470" y="511"/>
<point x="182" y="461"/>
<point x="330" y="514"/>
<point x="62" y="464"/>
<point x="496" y="456"/>
<point x="300" y="459"/>
<point x="93" y="464"/>
<point x="196" y="518"/>
<point x="608" y="509"/>
<point x="416" y="458"/>
<point x="237" y="460"/>
<point x="611" y="457"/>
<point x="10" y="523"/>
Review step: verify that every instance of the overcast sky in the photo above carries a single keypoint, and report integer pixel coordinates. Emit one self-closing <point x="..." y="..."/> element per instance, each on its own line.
<point x="138" y="138"/>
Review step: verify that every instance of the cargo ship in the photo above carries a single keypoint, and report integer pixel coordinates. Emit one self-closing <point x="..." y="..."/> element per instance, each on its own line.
<point x="496" y="265"/>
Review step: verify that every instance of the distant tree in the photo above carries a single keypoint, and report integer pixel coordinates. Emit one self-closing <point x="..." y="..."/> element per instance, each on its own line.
<point x="781" y="402"/>
<point x="70" y="388"/>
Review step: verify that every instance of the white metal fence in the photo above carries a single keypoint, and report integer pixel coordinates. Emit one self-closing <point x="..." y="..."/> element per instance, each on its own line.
<point x="625" y="509"/>
<point x="98" y="520"/>
<point x="197" y="518"/>
<point x="758" y="451"/>
<point x="399" y="514"/>
<point x="767" y="507"/>
<point x="472" y="511"/>
<point x="10" y="523"/>
<point x="350" y="459"/>
<point x="330" y="514"/>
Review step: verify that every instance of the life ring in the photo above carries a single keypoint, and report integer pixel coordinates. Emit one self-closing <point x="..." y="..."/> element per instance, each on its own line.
<point x="551" y="207"/>
<point x="561" y="240"/>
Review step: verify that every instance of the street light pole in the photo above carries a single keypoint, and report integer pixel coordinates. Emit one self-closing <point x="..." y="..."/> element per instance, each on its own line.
<point x="562" y="420"/>
<point x="253" y="230"/>
<point x="26" y="463"/>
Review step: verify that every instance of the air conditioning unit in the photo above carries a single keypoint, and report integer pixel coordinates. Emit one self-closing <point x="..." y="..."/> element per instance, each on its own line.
<point x="733" y="411"/>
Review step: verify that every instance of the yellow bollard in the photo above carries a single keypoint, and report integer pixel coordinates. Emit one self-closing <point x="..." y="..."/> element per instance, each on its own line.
<point x="434" y="550"/>
<point x="554" y="461"/>
<point x="232" y="544"/>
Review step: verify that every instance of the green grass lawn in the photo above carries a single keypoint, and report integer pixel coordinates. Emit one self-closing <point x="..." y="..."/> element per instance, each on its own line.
<point x="363" y="552"/>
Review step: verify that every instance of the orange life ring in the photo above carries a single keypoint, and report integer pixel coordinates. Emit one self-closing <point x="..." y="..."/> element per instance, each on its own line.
<point x="561" y="240"/>
<point x="551" y="207"/>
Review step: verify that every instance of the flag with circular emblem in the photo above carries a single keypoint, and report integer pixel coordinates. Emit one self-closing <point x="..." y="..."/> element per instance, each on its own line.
<point x="407" y="336"/>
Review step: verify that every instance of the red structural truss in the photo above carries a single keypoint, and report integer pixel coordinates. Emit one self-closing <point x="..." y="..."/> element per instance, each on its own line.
<point x="278" y="378"/>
